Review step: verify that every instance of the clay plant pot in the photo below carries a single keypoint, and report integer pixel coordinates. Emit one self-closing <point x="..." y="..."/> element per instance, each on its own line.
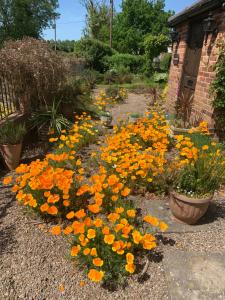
<point x="11" y="155"/>
<point x="188" y="210"/>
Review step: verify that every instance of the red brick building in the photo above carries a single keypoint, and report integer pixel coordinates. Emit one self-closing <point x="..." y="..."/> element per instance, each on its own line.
<point x="195" y="33"/>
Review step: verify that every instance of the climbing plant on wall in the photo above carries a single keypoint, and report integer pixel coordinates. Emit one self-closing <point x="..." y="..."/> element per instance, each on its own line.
<point x="218" y="88"/>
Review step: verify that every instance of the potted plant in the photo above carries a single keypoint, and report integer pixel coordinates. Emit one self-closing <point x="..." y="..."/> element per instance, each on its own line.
<point x="106" y="118"/>
<point x="48" y="120"/>
<point x="200" y="171"/>
<point x="134" y="117"/>
<point x="11" y="136"/>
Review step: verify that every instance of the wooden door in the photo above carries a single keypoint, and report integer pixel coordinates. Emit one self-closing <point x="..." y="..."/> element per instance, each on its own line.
<point x="192" y="60"/>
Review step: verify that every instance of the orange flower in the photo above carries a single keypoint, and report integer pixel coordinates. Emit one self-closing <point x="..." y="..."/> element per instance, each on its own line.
<point x="148" y="241"/>
<point x="98" y="262"/>
<point x="137" y="237"/>
<point x="75" y="250"/>
<point x="70" y="215"/>
<point x="44" y="207"/>
<point x="98" y="222"/>
<point x="86" y="251"/>
<point x="163" y="226"/>
<point x="113" y="217"/>
<point x="94" y="208"/>
<point x="130" y="268"/>
<point x="130" y="258"/>
<point x="91" y="233"/>
<point x="95" y="275"/>
<point x="7" y="180"/>
<point x="56" y="230"/>
<point x="93" y="252"/>
<point x="88" y="222"/>
<point x="106" y="230"/>
<point x="109" y="239"/>
<point x="66" y="203"/>
<point x="67" y="230"/>
<point x="131" y="213"/>
<point x="80" y="214"/>
<point x="112" y="180"/>
<point x="119" y="210"/>
<point x="114" y="198"/>
<point x="125" y="192"/>
<point x="52" y="210"/>
<point x="151" y="220"/>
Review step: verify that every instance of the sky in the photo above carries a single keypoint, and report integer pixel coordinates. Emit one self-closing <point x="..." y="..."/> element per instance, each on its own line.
<point x="71" y="23"/>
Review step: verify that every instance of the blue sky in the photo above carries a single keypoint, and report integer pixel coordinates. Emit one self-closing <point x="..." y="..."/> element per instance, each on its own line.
<point x="72" y="20"/>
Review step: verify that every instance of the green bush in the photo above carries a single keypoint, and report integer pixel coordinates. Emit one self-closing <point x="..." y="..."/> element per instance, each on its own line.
<point x="94" y="52"/>
<point x="11" y="133"/>
<point x="154" y="45"/>
<point x="165" y="62"/>
<point x="118" y="76"/>
<point x="133" y="63"/>
<point x="160" y="77"/>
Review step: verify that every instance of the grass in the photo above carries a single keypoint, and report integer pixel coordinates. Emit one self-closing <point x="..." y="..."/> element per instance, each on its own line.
<point x="138" y="83"/>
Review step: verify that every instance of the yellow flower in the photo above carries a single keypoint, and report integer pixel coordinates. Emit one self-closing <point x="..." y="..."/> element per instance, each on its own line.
<point x="205" y="147"/>
<point x="137" y="237"/>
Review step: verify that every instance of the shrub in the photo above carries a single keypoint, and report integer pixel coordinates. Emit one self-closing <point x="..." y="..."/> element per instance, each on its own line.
<point x="118" y="76"/>
<point x="36" y="70"/>
<point x="160" y="77"/>
<point x="91" y="78"/>
<point x="94" y="52"/>
<point x="132" y="63"/>
<point x="117" y="93"/>
<point x="154" y="45"/>
<point x="165" y="62"/>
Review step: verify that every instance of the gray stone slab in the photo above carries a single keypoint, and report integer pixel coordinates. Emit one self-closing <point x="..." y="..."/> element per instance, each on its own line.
<point x="193" y="276"/>
<point x="161" y="210"/>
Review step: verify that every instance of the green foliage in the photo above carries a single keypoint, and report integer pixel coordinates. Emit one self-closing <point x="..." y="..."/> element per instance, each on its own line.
<point x="206" y="173"/>
<point x="51" y="117"/>
<point x="137" y="19"/>
<point x="94" y="52"/>
<point x="11" y="133"/>
<point x="91" y="78"/>
<point x="218" y="87"/>
<point x="119" y="76"/>
<point x="160" y="77"/>
<point x="64" y="46"/>
<point x="165" y="62"/>
<point x="97" y="20"/>
<point x="154" y="45"/>
<point x="20" y="18"/>
<point x="133" y="63"/>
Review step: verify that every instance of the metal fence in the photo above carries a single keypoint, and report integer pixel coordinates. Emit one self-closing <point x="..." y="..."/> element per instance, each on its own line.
<point x="8" y="103"/>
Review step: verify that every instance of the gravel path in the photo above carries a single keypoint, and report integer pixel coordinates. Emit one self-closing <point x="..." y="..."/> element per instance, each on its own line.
<point x="35" y="265"/>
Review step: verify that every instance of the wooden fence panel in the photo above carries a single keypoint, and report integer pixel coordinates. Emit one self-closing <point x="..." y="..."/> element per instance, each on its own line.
<point x="9" y="104"/>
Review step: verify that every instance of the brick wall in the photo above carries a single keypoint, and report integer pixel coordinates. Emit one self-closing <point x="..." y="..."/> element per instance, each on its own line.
<point x="202" y="97"/>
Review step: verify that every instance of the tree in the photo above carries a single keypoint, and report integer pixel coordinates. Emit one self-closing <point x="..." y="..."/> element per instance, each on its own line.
<point x="20" y="18"/>
<point x="137" y="19"/>
<point x="97" y="19"/>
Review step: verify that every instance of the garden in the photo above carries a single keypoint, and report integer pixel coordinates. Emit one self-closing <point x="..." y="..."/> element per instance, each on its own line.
<point x="97" y="186"/>
<point x="103" y="194"/>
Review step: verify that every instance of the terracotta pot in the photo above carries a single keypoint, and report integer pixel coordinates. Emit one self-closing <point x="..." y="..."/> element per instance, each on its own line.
<point x="188" y="210"/>
<point x="11" y="155"/>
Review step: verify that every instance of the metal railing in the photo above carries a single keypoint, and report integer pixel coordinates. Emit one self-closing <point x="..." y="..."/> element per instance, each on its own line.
<point x="9" y="105"/>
